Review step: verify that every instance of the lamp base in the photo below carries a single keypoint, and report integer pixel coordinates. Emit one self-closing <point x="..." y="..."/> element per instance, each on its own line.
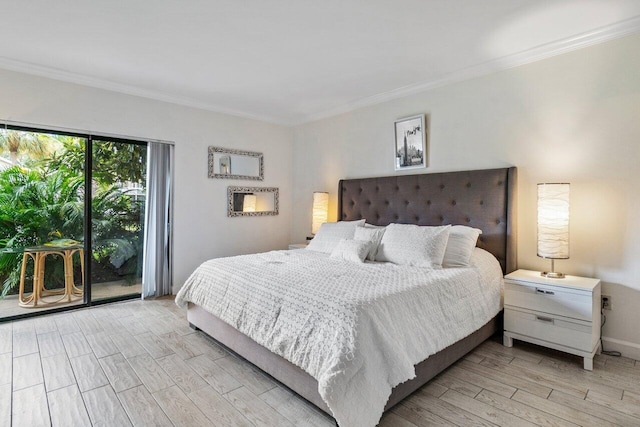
<point x="552" y="275"/>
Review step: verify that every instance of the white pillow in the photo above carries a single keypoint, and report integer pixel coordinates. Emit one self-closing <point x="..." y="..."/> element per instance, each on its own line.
<point x="367" y="225"/>
<point x="351" y="250"/>
<point x="462" y="241"/>
<point x="371" y="235"/>
<point x="330" y="234"/>
<point x="414" y="245"/>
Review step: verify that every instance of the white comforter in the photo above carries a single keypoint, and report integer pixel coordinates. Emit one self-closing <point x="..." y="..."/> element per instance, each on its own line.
<point x="358" y="329"/>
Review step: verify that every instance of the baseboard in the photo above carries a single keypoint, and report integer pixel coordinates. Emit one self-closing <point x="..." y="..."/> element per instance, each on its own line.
<point x="628" y="349"/>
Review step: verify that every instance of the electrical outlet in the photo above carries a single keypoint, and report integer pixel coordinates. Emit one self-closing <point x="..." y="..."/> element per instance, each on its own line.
<point x="606" y="302"/>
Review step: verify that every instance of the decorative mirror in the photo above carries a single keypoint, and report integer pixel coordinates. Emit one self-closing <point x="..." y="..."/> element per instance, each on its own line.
<point x="252" y="201"/>
<point x="235" y="164"/>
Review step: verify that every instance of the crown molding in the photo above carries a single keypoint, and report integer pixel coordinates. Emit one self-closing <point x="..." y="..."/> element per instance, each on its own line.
<point x="558" y="47"/>
<point x="80" y="79"/>
<point x="599" y="35"/>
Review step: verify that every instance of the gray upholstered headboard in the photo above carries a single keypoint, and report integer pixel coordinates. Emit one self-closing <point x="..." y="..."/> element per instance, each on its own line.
<point x="484" y="199"/>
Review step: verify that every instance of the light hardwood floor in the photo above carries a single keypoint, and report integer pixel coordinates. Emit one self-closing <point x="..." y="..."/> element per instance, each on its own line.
<point x="138" y="363"/>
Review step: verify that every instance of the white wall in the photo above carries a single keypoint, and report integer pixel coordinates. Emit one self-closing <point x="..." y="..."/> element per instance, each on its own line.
<point x="201" y="228"/>
<point x="572" y="118"/>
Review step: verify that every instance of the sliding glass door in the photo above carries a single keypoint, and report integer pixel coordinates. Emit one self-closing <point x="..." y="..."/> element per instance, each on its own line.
<point x="118" y="194"/>
<point x="72" y="220"/>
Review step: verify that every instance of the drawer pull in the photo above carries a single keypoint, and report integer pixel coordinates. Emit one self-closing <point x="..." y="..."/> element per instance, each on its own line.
<point x="542" y="291"/>
<point x="544" y="319"/>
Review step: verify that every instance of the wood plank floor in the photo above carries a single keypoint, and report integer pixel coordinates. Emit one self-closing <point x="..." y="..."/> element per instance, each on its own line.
<point x="137" y="363"/>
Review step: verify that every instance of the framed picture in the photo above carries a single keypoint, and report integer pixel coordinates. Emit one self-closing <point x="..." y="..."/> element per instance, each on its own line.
<point x="411" y="143"/>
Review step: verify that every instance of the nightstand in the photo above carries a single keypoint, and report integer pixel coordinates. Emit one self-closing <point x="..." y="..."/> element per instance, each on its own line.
<point x="298" y="245"/>
<point x="563" y="314"/>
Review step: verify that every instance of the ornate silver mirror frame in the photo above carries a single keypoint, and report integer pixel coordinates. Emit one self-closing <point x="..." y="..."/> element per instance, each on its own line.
<point x="262" y="201"/>
<point x="235" y="164"/>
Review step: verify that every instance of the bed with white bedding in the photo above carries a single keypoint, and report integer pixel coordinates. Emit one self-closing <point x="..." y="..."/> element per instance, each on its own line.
<point x="347" y="336"/>
<point x="358" y="329"/>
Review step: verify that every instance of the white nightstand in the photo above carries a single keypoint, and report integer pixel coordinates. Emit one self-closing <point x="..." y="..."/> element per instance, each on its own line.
<point x="563" y="314"/>
<point x="298" y="245"/>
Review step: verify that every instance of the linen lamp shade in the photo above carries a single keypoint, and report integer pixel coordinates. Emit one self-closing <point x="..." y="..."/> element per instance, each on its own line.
<point x="553" y="222"/>
<point x="320" y="210"/>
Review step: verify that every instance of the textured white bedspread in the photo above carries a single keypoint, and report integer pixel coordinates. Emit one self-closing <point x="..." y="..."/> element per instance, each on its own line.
<point x="358" y="329"/>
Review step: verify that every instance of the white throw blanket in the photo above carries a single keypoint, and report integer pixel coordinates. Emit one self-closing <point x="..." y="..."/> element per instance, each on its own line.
<point x="358" y="329"/>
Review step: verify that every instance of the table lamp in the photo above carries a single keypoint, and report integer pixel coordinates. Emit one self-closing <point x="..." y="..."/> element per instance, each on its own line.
<point x="320" y="210"/>
<point x="553" y="224"/>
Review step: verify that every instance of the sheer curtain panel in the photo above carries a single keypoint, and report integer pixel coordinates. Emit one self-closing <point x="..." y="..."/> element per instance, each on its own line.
<point x="156" y="271"/>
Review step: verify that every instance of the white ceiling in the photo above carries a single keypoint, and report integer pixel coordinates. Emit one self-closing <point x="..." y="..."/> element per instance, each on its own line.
<point x="292" y="61"/>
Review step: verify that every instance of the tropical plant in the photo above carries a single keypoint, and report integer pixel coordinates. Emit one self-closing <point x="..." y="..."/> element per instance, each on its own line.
<point x="113" y="162"/>
<point x="37" y="206"/>
<point x="34" y="209"/>
<point x="117" y="230"/>
<point x="24" y="147"/>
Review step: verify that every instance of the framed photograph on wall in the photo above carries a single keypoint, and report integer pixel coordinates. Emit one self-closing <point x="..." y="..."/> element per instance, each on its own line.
<point x="411" y="143"/>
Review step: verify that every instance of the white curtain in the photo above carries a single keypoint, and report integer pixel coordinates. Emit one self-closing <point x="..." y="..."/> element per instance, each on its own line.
<point x="156" y="270"/>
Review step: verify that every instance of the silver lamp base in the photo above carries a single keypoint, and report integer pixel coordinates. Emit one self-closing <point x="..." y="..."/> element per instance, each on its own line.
<point x="552" y="274"/>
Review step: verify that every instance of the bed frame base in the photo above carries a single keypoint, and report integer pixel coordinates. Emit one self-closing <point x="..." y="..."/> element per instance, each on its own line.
<point x="304" y="384"/>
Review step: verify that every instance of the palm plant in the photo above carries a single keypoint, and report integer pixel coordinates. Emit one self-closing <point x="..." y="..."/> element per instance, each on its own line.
<point x="34" y="209"/>
<point x="40" y="205"/>
<point x="112" y="162"/>
<point x="19" y="144"/>
<point x="116" y="223"/>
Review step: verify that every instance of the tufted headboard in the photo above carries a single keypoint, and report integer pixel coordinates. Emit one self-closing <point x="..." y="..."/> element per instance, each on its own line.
<point x="484" y="199"/>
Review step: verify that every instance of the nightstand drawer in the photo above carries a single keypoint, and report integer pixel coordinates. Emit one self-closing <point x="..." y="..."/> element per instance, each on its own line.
<point x="547" y="299"/>
<point x="549" y="328"/>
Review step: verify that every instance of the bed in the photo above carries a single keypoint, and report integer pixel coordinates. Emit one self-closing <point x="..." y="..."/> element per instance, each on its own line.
<point x="483" y="199"/>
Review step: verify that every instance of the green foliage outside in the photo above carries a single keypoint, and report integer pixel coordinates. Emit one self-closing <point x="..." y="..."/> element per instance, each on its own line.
<point x="112" y="162"/>
<point x="45" y="202"/>
<point x="26" y="147"/>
